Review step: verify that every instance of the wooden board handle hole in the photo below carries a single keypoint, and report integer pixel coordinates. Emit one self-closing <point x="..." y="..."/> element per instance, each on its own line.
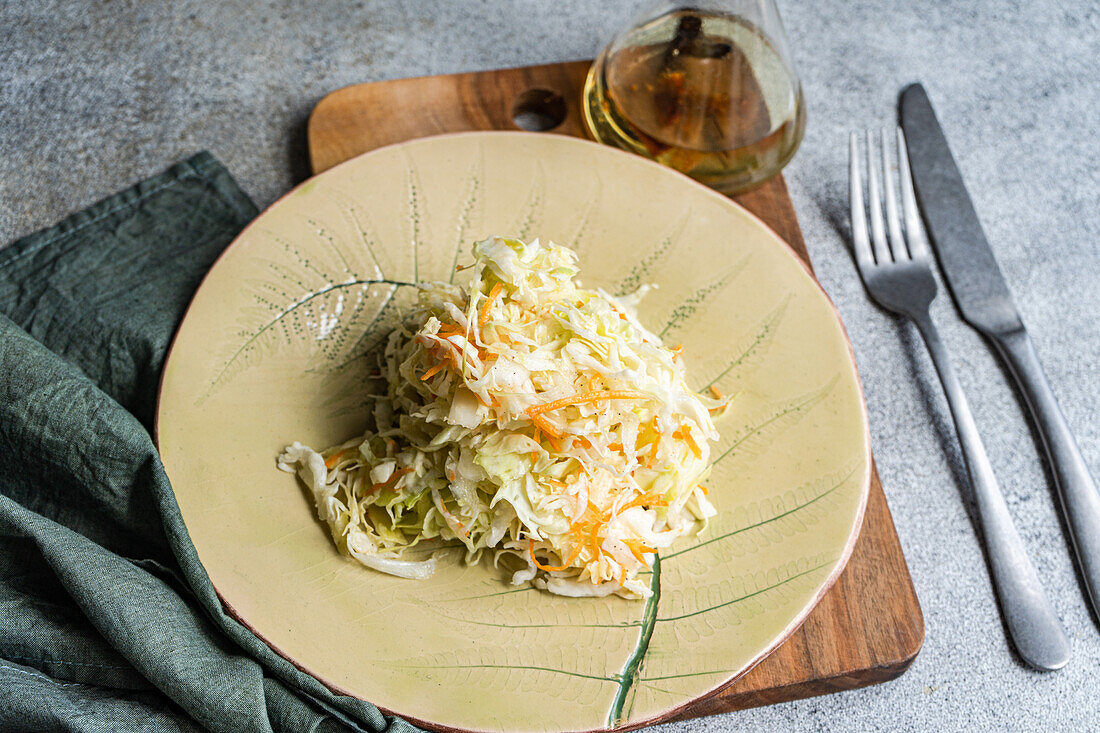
<point x="538" y="110"/>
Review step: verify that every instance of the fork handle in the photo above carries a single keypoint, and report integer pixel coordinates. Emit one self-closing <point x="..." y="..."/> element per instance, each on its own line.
<point x="1032" y="623"/>
<point x="1076" y="489"/>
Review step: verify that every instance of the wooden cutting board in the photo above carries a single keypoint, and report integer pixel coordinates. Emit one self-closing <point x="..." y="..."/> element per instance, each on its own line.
<point x="868" y="628"/>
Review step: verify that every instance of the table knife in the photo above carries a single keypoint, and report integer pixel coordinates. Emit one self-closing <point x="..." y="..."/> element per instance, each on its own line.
<point x="980" y="292"/>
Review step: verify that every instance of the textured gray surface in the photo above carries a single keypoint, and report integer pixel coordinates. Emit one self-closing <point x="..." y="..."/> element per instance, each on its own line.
<point x="96" y="96"/>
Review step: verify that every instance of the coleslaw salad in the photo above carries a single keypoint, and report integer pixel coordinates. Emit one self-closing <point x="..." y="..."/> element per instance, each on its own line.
<point x="525" y="417"/>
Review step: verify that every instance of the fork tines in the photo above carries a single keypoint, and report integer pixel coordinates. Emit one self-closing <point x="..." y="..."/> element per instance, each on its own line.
<point x="900" y="245"/>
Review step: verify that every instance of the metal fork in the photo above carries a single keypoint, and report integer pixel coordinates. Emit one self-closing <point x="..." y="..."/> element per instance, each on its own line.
<point x="897" y="271"/>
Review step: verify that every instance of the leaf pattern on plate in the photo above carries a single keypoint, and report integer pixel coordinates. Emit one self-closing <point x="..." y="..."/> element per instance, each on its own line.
<point x="546" y="613"/>
<point x="750" y="348"/>
<point x="365" y="233"/>
<point x="526" y="224"/>
<point x="689" y="613"/>
<point x="722" y="599"/>
<point x="640" y="272"/>
<point x="758" y="433"/>
<point x="764" y="522"/>
<point x="690" y="306"/>
<point x="547" y="668"/>
<point x="318" y="297"/>
<point x="466" y="218"/>
<point x="413" y="215"/>
<point x="583" y="227"/>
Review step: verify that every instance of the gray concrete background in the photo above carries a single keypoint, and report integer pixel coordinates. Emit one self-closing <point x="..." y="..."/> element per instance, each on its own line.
<point x="94" y="96"/>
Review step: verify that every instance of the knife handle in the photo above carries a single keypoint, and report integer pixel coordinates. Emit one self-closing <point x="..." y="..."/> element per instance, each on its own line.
<point x="1032" y="623"/>
<point x="1076" y="488"/>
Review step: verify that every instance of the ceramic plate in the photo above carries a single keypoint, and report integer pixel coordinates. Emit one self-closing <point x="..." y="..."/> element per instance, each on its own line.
<point x="271" y="352"/>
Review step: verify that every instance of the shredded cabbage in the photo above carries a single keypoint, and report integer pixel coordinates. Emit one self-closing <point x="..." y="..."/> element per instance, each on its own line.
<point x="527" y="417"/>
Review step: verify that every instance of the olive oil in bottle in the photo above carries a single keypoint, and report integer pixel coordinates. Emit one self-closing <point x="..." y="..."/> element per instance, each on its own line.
<point x="705" y="93"/>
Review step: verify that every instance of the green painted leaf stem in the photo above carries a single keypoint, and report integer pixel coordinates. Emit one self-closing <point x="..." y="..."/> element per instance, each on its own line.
<point x="634" y="663"/>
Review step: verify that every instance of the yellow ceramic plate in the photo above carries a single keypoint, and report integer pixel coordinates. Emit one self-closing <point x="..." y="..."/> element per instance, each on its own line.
<point x="268" y="354"/>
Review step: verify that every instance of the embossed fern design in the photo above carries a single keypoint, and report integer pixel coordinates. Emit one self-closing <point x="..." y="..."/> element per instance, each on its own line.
<point x="752" y="349"/>
<point x="690" y="305"/>
<point x="317" y="296"/>
<point x="525" y="224"/>
<point x="770" y="519"/>
<point x="698" y="600"/>
<point x="760" y="432"/>
<point x="584" y="226"/>
<point x="640" y="272"/>
<point x="464" y="218"/>
<point x="551" y="674"/>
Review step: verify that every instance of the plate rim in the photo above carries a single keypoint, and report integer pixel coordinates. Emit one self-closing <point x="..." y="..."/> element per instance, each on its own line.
<point x="779" y="640"/>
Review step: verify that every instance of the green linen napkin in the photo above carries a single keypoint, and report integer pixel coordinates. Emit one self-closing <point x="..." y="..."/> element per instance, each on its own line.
<point x="107" y="619"/>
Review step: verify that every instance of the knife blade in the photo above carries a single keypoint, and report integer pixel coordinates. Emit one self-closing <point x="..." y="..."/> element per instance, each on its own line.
<point x="967" y="261"/>
<point x="979" y="290"/>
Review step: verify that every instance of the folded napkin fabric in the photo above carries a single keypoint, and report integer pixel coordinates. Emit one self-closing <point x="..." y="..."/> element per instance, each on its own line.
<point x="107" y="619"/>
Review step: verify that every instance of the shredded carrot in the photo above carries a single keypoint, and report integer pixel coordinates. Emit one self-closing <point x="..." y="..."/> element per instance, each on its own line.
<point x="684" y="433"/>
<point x="568" y="561"/>
<point x="615" y="446"/>
<point x="391" y="482"/>
<point x="543" y="424"/>
<point x="484" y="317"/>
<point x="445" y="352"/>
<point x="703" y="489"/>
<point x="585" y="397"/>
<point x="449" y="355"/>
<point x="677" y="350"/>
<point x="638" y="550"/>
<point x="690" y="439"/>
<point x="603" y="517"/>
<point x="554" y="442"/>
<point x="583" y="442"/>
<point x="619" y="575"/>
<point x="656" y="442"/>
<point x="596" y="551"/>
<point x="432" y="372"/>
<point x="717" y="394"/>
<point x="592" y="383"/>
<point x="449" y="329"/>
<point x="460" y="268"/>
<point x="335" y="458"/>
